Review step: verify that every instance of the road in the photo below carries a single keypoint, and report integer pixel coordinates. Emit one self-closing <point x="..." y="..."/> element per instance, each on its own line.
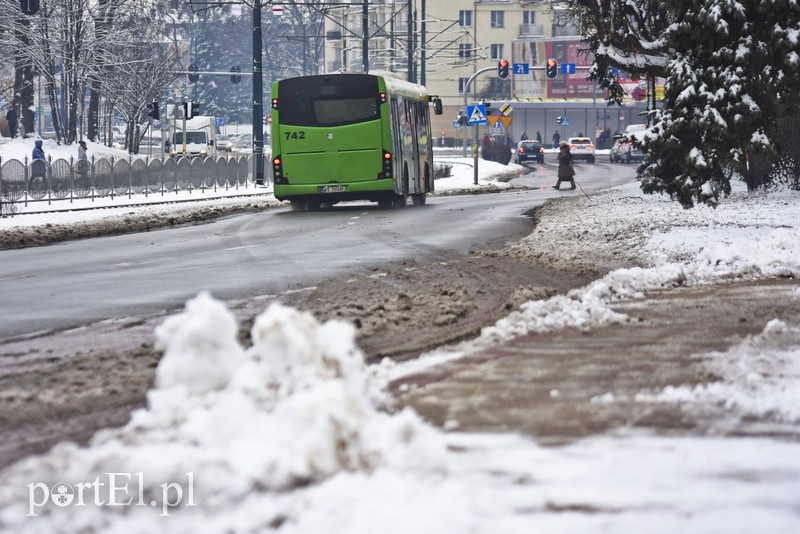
<point x="75" y="283"/>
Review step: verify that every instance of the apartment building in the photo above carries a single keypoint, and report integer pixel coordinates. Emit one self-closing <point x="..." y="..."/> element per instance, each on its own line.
<point x="443" y="43"/>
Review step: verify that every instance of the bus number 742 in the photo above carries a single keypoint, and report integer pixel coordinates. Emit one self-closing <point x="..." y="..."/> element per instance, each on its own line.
<point x="295" y="135"/>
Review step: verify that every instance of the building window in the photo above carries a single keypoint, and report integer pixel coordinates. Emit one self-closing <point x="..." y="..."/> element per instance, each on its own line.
<point x="465" y="17"/>
<point x="465" y="52"/>
<point x="529" y="18"/>
<point x="496" y="51"/>
<point x="462" y="82"/>
<point x="498" y="19"/>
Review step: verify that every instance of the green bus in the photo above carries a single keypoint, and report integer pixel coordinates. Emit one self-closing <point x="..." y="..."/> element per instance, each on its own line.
<point x="339" y="137"/>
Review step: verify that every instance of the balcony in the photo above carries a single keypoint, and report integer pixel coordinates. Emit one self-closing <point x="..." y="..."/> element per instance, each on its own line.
<point x="531" y="30"/>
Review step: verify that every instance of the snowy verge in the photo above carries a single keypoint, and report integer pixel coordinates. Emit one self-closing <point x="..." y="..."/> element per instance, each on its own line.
<point x="660" y="246"/>
<point x="294" y="409"/>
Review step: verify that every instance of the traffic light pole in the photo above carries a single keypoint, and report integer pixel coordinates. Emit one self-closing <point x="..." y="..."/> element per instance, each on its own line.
<point x="475" y="127"/>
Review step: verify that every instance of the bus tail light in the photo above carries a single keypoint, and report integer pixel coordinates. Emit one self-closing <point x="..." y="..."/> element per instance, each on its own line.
<point x="387" y="166"/>
<point x="274" y="103"/>
<point x="383" y="98"/>
<point x="277" y="171"/>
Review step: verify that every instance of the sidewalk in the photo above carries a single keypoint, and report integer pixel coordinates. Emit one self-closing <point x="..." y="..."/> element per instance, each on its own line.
<point x="654" y="372"/>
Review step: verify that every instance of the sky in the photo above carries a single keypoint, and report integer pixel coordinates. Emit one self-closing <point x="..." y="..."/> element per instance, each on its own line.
<point x="296" y="433"/>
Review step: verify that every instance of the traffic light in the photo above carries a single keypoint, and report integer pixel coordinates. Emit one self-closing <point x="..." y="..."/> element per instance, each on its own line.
<point x="235" y="76"/>
<point x="551" y="69"/>
<point x="559" y="119"/>
<point x="29" y="7"/>
<point x="152" y="110"/>
<point x="502" y="69"/>
<point x="193" y="76"/>
<point x="191" y="109"/>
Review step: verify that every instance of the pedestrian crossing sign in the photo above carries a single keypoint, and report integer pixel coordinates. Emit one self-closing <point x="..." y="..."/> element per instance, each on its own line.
<point x="476" y="114"/>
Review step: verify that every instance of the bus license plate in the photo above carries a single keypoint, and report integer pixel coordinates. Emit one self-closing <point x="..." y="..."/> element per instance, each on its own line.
<point x="332" y="189"/>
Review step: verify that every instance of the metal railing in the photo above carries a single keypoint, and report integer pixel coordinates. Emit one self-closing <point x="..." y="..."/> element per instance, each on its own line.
<point x="24" y="182"/>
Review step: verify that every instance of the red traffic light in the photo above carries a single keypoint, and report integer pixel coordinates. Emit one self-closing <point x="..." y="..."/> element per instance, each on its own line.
<point x="502" y="69"/>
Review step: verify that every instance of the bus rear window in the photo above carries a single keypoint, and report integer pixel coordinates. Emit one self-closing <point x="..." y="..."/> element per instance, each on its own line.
<point x="326" y="101"/>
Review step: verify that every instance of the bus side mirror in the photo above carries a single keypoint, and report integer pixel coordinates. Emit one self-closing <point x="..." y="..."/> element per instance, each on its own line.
<point x="437" y="105"/>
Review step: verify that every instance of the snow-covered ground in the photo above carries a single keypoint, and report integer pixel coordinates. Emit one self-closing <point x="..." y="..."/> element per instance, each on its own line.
<point x="293" y="433"/>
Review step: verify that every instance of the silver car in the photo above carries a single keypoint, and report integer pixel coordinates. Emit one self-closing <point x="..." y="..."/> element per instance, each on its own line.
<point x="581" y="148"/>
<point x="624" y="148"/>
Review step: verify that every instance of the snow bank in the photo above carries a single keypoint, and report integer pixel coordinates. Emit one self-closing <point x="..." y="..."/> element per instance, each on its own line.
<point x="673" y="247"/>
<point x="294" y="409"/>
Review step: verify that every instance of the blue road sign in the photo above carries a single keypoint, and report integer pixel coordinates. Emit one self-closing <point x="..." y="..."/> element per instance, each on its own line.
<point x="568" y="68"/>
<point x="219" y="121"/>
<point x="476" y="114"/>
<point x="565" y="121"/>
<point x="520" y="68"/>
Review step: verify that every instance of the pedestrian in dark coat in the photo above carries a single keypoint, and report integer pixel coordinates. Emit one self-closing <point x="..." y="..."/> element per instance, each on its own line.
<point x="556" y="138"/>
<point x="11" y="117"/>
<point x="38" y="151"/>
<point x="566" y="172"/>
<point x="38" y="165"/>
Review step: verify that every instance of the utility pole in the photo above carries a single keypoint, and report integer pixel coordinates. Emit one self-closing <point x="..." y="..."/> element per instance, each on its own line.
<point x="410" y="75"/>
<point x="258" y="96"/>
<point x="422" y="47"/>
<point x="365" y="36"/>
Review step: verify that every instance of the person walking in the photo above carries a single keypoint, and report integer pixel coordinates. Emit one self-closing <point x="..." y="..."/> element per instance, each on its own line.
<point x="38" y="151"/>
<point x="38" y="165"/>
<point x="83" y="160"/>
<point x="11" y="117"/>
<point x="566" y="172"/>
<point x="539" y="137"/>
<point x="556" y="139"/>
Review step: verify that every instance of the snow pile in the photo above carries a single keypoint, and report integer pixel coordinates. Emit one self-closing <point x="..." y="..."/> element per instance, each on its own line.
<point x="758" y="377"/>
<point x="294" y="409"/>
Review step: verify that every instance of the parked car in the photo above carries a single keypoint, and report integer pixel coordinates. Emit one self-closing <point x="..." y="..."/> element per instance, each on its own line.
<point x="624" y="148"/>
<point x="581" y="148"/>
<point x="530" y="149"/>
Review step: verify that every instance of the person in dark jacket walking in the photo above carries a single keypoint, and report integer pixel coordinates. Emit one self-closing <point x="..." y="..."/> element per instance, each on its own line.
<point x="38" y="165"/>
<point x="566" y="172"/>
<point x="11" y="117"/>
<point x="38" y="151"/>
<point x="556" y="138"/>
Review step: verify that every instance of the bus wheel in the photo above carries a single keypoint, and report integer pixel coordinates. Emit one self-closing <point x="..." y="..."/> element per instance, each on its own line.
<point x="401" y="200"/>
<point x="419" y="199"/>
<point x="298" y="205"/>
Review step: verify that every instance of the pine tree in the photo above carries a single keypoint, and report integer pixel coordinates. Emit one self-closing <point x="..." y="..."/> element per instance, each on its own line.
<point x="731" y="91"/>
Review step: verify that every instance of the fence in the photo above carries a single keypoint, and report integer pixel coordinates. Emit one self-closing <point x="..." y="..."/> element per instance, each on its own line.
<point x="24" y="182"/>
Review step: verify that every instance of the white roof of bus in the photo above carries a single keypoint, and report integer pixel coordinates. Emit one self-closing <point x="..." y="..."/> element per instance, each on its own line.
<point x="399" y="86"/>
